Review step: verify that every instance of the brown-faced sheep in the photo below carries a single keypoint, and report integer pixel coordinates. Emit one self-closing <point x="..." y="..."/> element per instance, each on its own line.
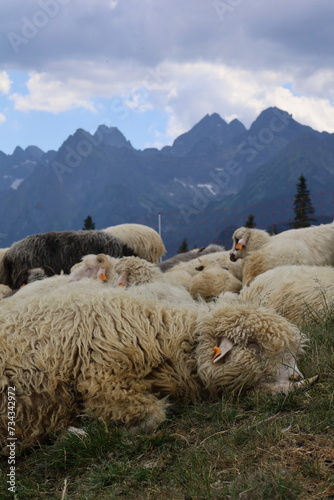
<point x="300" y="293"/>
<point x="59" y="250"/>
<point x="94" y="350"/>
<point x="144" y="240"/>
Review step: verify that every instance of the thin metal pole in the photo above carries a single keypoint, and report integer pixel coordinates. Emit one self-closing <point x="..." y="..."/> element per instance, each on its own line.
<point x="159" y="230"/>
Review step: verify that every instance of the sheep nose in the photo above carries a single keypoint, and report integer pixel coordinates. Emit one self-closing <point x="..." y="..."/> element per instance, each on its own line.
<point x="295" y="375"/>
<point x="232" y="257"/>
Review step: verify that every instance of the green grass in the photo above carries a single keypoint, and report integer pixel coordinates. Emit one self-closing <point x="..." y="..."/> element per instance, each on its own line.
<point x="252" y="446"/>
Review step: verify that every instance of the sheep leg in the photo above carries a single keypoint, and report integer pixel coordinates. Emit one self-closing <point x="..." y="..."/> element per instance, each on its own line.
<point x="124" y="403"/>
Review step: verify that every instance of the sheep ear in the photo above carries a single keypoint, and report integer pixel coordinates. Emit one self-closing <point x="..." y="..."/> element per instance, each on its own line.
<point x="101" y="274"/>
<point x="123" y="279"/>
<point x="225" y="346"/>
<point x="241" y="244"/>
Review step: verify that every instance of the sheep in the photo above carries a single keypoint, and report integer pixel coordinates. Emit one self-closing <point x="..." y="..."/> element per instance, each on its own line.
<point x="299" y="293"/>
<point x="4" y="291"/>
<point x="99" y="267"/>
<point x="206" y="284"/>
<point x="247" y="240"/>
<point x="59" y="250"/>
<point x="191" y="254"/>
<point x="27" y="276"/>
<point x="2" y="253"/>
<point x="143" y="278"/>
<point x="201" y="263"/>
<point x="307" y="246"/>
<point x="209" y="283"/>
<point x="96" y="350"/>
<point x="144" y="240"/>
<point x="94" y="266"/>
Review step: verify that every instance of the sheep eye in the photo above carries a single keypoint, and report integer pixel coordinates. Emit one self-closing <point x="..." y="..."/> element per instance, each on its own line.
<point x="199" y="268"/>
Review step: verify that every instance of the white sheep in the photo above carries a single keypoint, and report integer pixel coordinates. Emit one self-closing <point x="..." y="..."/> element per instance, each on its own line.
<point x="4" y="290"/>
<point x="90" y="349"/>
<point x="306" y="246"/>
<point x="212" y="281"/>
<point x="208" y="276"/>
<point x="99" y="266"/>
<point x="143" y="278"/>
<point x="145" y="241"/>
<point x="191" y="254"/>
<point x="199" y="264"/>
<point x="300" y="293"/>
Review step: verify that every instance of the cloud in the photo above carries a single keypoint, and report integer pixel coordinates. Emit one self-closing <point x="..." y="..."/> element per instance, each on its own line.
<point x="46" y="94"/>
<point x="184" y="59"/>
<point x="2" y="118"/>
<point x="200" y="88"/>
<point x="251" y="33"/>
<point x="5" y="82"/>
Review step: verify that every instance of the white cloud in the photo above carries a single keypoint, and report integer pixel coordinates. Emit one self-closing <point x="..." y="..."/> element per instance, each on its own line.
<point x="5" y="82"/>
<point x="47" y="94"/>
<point x="2" y="118"/>
<point x="193" y="90"/>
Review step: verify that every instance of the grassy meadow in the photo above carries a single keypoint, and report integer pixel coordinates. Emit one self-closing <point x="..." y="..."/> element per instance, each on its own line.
<point x="248" y="446"/>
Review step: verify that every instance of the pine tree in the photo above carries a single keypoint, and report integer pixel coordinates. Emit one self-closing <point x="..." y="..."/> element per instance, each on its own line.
<point x="302" y="206"/>
<point x="88" y="224"/>
<point x="184" y="246"/>
<point x="250" y="222"/>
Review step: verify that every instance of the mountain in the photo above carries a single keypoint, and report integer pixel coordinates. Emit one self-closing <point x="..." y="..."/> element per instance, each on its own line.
<point x="211" y="128"/>
<point x="202" y="186"/>
<point x="16" y="167"/>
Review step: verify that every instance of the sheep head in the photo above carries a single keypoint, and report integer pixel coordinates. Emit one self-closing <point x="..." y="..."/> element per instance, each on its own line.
<point x="94" y="267"/>
<point x="254" y="348"/>
<point x="135" y="271"/>
<point x="240" y="239"/>
<point x="246" y="240"/>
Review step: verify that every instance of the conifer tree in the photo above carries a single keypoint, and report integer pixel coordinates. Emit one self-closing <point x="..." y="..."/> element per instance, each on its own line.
<point x="302" y="206"/>
<point x="250" y="222"/>
<point x="184" y="246"/>
<point x="88" y="224"/>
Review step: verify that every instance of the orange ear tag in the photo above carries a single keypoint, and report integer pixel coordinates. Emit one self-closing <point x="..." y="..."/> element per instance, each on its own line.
<point x="23" y="284"/>
<point x="120" y="283"/>
<point x="239" y="246"/>
<point x="101" y="275"/>
<point x="218" y="351"/>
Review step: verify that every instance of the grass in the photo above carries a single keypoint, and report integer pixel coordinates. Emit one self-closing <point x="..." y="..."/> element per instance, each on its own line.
<point x="253" y="446"/>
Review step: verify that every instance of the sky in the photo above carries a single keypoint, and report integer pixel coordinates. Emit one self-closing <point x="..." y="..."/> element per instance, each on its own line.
<point x="154" y="68"/>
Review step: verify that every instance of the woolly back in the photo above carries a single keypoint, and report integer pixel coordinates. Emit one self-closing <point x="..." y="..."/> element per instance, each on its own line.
<point x="302" y="294"/>
<point x="61" y="333"/>
<point x="145" y="241"/>
<point x="59" y="250"/>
